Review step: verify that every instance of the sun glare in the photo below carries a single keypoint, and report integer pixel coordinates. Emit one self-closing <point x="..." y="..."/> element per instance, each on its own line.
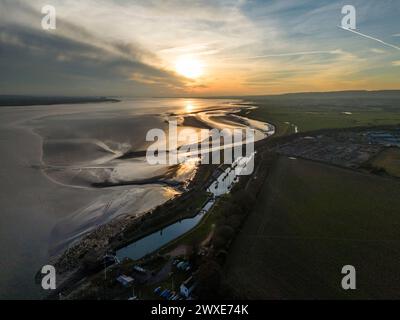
<point x="189" y="107"/>
<point x="189" y="67"/>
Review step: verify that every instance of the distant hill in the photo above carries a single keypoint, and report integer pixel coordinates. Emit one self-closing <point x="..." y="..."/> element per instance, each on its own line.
<point x="388" y="99"/>
<point x="16" y="100"/>
<point x="300" y="112"/>
<point x="350" y="94"/>
<point x="336" y="94"/>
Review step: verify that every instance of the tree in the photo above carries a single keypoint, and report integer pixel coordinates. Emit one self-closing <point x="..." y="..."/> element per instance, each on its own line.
<point x="209" y="278"/>
<point x="225" y="232"/>
<point x="234" y="221"/>
<point x="90" y="262"/>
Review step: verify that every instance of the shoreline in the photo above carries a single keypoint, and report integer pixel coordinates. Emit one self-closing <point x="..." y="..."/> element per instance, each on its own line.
<point x="26" y="101"/>
<point x="120" y="232"/>
<point x="125" y="230"/>
<point x="260" y="145"/>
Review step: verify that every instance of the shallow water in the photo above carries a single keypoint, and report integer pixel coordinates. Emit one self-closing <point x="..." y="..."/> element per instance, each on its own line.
<point x="51" y="158"/>
<point x="156" y="240"/>
<point x="220" y="186"/>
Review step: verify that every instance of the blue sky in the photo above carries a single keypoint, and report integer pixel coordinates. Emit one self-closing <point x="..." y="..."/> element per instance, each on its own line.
<point x="132" y="48"/>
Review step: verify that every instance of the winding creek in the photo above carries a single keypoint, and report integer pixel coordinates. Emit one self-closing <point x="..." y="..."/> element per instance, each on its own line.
<point x="155" y="241"/>
<point x="76" y="167"/>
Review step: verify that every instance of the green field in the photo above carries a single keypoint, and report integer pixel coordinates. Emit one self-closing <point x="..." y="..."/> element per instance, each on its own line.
<point x="327" y="110"/>
<point x="389" y="160"/>
<point x="310" y="220"/>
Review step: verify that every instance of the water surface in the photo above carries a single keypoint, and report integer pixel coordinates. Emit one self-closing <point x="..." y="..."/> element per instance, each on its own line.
<point x="52" y="156"/>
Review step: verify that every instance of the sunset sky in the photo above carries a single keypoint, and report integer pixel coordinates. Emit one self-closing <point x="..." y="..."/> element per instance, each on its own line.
<point x="201" y="48"/>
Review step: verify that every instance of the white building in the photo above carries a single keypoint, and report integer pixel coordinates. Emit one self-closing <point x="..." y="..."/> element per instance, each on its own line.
<point x="187" y="287"/>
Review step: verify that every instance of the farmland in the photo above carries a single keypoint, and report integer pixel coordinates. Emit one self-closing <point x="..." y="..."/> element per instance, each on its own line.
<point x="389" y="160"/>
<point x="312" y="111"/>
<point x="310" y="220"/>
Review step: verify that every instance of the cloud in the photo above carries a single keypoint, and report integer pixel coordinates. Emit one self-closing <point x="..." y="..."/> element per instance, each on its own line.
<point x="376" y="50"/>
<point x="74" y="56"/>
<point x="123" y="47"/>
<point x="372" y="38"/>
<point x="301" y="53"/>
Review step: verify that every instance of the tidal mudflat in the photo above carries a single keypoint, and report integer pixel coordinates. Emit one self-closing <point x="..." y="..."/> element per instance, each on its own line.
<point x="68" y="169"/>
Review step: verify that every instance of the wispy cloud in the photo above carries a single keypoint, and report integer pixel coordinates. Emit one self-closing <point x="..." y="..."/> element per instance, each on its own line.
<point x="78" y="57"/>
<point x="371" y="38"/>
<point x="376" y="50"/>
<point x="125" y="47"/>
<point x="301" y="53"/>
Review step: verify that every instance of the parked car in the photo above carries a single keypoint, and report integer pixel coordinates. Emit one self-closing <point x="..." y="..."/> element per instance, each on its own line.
<point x="167" y="294"/>
<point x="157" y="290"/>
<point x="164" y="293"/>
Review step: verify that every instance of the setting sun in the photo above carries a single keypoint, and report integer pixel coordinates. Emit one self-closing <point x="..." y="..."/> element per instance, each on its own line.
<point x="189" y="67"/>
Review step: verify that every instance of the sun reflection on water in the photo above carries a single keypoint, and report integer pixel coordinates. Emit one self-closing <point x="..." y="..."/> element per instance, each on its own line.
<point x="189" y="107"/>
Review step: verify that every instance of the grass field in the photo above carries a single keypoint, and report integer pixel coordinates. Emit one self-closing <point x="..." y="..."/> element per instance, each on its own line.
<point x="327" y="110"/>
<point x="388" y="159"/>
<point x="310" y="220"/>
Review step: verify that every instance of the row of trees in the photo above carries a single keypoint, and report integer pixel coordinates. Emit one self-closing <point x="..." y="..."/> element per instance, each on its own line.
<point x="233" y="210"/>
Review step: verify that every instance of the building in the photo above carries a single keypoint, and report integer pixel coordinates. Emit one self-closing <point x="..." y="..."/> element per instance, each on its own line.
<point x="207" y="207"/>
<point x="125" y="280"/>
<point x="139" y="269"/>
<point x="187" y="287"/>
<point x="184" y="266"/>
<point x="384" y="138"/>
